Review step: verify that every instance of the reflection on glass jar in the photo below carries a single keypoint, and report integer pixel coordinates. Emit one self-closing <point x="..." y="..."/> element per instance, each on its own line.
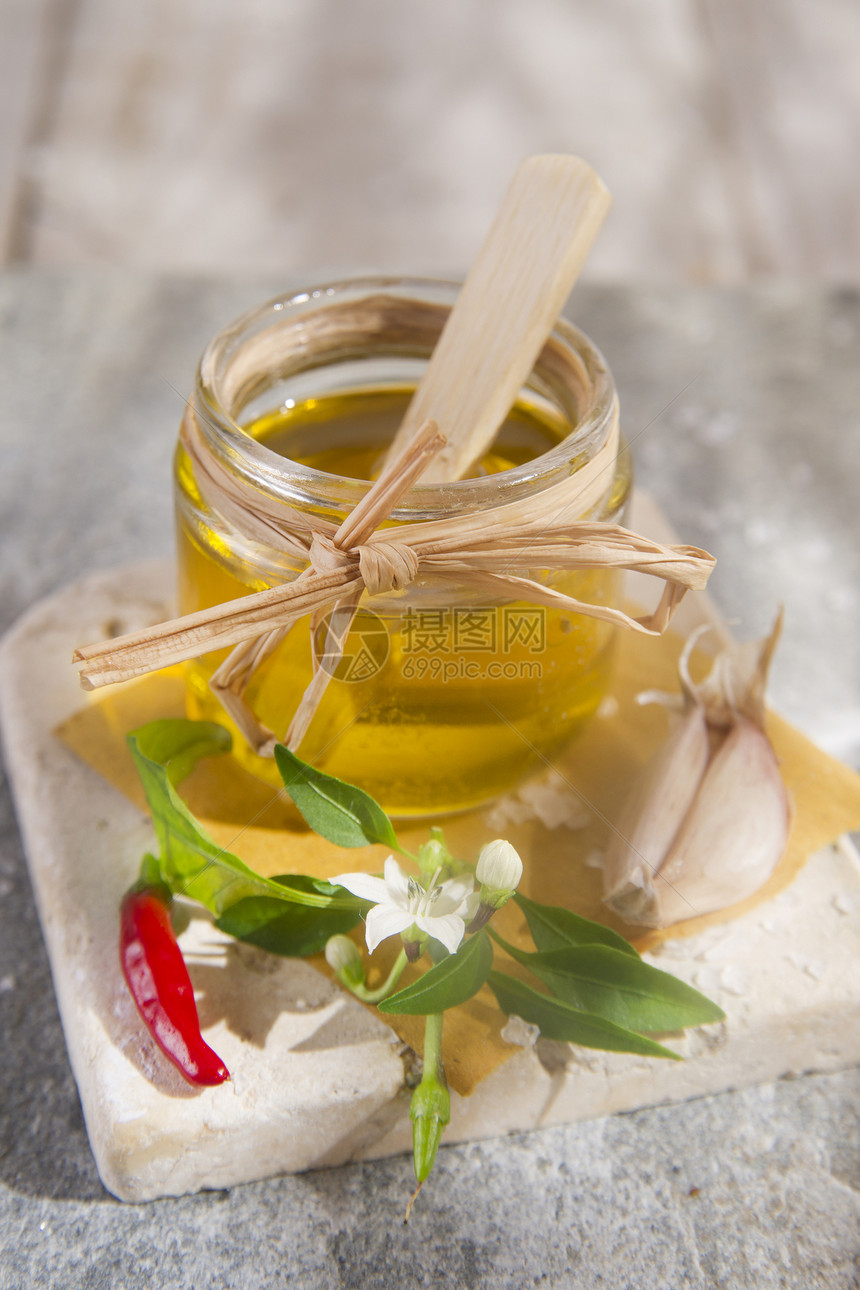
<point x="443" y="699"/>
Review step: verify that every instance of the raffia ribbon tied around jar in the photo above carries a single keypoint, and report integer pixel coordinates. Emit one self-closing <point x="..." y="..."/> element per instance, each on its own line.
<point x="497" y="552"/>
<point x="503" y="315"/>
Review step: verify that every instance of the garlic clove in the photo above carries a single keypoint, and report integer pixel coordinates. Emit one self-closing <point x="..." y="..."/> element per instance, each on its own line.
<point x="735" y="686"/>
<point x="651" y="818"/>
<point x="733" y="835"/>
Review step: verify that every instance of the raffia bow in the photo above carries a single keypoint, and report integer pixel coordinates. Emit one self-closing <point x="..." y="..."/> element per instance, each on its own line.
<point x="480" y="550"/>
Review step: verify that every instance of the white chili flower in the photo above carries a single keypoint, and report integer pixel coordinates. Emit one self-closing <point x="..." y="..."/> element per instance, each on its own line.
<point x="441" y="911"/>
<point x="499" y="866"/>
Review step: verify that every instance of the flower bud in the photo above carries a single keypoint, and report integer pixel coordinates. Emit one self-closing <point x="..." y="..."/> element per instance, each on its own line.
<point x="430" y="1111"/>
<point x="434" y="858"/>
<point x="344" y="959"/>
<point x="499" y="870"/>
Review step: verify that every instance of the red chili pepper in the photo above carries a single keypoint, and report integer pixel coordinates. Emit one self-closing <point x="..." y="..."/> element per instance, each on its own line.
<point x="157" y="977"/>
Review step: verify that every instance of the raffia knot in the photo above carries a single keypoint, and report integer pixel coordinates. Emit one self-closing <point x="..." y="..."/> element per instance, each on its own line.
<point x="387" y="566"/>
<point x="326" y="557"/>
<point x="384" y="566"/>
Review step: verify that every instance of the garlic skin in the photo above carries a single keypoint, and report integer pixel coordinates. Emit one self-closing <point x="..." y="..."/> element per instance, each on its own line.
<point x="734" y="834"/>
<point x="652" y="816"/>
<point x="709" y="818"/>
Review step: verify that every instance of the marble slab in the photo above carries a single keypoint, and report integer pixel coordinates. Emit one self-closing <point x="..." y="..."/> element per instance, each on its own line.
<point x="317" y="1079"/>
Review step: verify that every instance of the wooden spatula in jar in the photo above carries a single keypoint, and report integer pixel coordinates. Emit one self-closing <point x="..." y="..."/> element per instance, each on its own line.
<point x="506" y="309"/>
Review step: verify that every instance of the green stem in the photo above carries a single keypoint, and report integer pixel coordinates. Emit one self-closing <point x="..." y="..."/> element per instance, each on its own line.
<point x="433" y="1046"/>
<point x="374" y="996"/>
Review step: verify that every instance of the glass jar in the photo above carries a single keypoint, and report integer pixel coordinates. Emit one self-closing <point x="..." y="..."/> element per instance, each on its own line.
<point x="444" y="699"/>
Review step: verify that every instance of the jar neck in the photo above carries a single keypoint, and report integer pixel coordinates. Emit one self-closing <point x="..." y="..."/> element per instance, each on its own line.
<point x="344" y="331"/>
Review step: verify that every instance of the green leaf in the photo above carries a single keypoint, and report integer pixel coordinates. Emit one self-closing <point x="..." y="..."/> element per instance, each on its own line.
<point x="553" y="927"/>
<point x="178" y="744"/>
<point x="624" y="990"/>
<point x="191" y="861"/>
<point x="558" y="1020"/>
<point x="288" y="929"/>
<point x="339" y="812"/>
<point x="448" y="984"/>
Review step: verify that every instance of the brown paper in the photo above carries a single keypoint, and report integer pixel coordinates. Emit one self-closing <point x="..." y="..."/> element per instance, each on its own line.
<point x="245" y="816"/>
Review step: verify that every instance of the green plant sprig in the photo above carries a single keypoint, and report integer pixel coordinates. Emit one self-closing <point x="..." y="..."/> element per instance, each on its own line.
<point x="592" y="988"/>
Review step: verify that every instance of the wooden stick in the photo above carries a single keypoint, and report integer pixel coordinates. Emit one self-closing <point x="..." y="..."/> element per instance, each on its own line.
<point x="507" y="307"/>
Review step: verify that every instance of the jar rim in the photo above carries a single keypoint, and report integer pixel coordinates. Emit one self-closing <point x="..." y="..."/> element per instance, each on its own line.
<point x="294" y="482"/>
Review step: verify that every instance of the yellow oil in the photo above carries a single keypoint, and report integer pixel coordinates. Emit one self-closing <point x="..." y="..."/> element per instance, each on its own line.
<point x="442" y="702"/>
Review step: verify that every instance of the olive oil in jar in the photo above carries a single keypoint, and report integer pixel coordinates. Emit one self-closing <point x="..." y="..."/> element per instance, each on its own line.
<point x="441" y="701"/>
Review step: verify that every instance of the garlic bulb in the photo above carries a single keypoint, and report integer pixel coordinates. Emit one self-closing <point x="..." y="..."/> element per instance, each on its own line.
<point x="708" y="821"/>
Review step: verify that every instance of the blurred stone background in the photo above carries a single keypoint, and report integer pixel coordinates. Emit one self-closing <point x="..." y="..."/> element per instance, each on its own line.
<point x="274" y="135"/>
